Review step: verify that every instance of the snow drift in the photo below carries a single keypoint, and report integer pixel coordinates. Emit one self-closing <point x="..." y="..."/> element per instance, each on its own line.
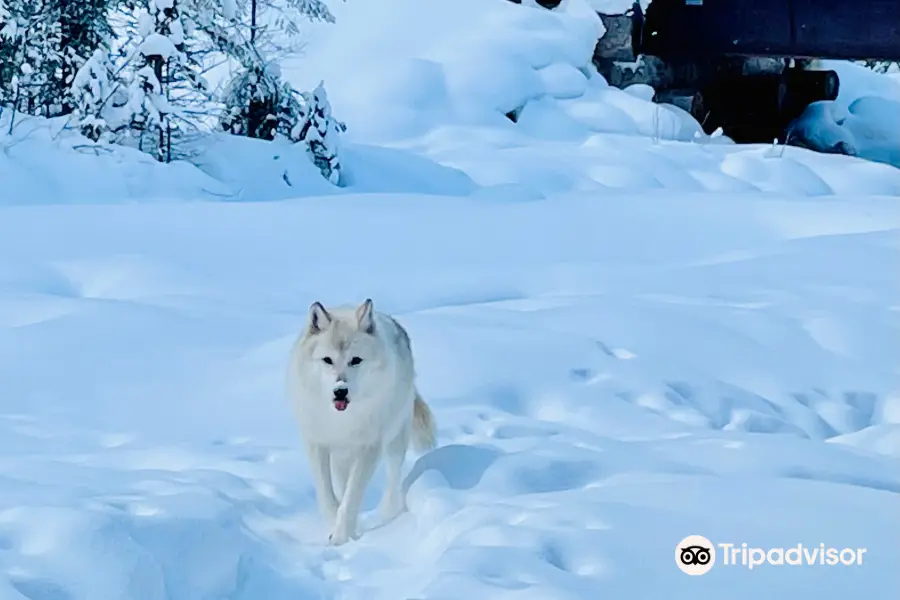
<point x="471" y="62"/>
<point x="45" y="162"/>
<point x="863" y="121"/>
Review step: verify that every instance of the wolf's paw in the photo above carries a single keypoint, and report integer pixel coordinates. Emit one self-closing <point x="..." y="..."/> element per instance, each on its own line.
<point x="339" y="539"/>
<point x="341" y="535"/>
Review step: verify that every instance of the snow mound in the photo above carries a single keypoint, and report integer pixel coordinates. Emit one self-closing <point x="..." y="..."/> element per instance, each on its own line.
<point x="257" y="170"/>
<point x="44" y="162"/>
<point x="881" y="439"/>
<point x="611" y="163"/>
<point x="473" y="62"/>
<point x="41" y="162"/>
<point x="863" y="121"/>
<point x="869" y="128"/>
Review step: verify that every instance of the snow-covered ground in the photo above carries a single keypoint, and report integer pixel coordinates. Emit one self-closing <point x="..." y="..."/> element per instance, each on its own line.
<point x="609" y="374"/>
<point x="628" y="333"/>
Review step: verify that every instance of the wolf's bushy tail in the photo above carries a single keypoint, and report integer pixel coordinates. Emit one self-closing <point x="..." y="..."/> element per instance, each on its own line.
<point x="424" y="434"/>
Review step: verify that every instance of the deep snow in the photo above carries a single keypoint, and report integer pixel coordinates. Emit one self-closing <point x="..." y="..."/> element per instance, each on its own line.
<point x="609" y="375"/>
<point x="628" y="333"/>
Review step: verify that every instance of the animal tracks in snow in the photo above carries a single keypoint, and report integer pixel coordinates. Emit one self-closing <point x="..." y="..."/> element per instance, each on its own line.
<point x="601" y="390"/>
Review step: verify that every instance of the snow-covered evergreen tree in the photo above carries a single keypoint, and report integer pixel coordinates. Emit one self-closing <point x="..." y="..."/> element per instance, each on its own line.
<point x="143" y="114"/>
<point x="251" y="103"/>
<point x="258" y="103"/>
<point x="55" y="58"/>
<point x="31" y="57"/>
<point x="92" y="91"/>
<point x="84" y="27"/>
<point x="165" y="82"/>
<point x="44" y="43"/>
<point x="320" y="132"/>
<point x="13" y="25"/>
<point x="258" y="34"/>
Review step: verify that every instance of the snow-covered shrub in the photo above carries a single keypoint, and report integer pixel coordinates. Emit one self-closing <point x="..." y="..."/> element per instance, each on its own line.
<point x="323" y="135"/>
<point x="252" y="100"/>
<point x="311" y="123"/>
<point x="141" y="115"/>
<point x="258" y="34"/>
<point x="91" y="93"/>
<point x="257" y="102"/>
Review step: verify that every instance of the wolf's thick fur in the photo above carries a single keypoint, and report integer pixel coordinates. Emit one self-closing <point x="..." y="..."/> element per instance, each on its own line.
<point x="351" y="383"/>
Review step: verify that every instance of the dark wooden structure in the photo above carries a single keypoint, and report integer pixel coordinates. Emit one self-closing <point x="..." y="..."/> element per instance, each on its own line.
<point x="839" y="29"/>
<point x="744" y="65"/>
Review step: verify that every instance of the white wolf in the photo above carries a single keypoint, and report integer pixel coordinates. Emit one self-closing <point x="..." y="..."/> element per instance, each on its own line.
<point x="351" y="382"/>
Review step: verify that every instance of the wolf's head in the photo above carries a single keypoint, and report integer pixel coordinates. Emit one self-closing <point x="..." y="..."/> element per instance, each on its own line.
<point x="343" y="349"/>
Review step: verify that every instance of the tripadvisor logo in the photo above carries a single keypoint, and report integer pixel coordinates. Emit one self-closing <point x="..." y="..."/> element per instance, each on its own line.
<point x="696" y="555"/>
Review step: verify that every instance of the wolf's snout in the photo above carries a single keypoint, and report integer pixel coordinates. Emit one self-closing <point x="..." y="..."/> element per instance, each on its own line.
<point x="340" y="399"/>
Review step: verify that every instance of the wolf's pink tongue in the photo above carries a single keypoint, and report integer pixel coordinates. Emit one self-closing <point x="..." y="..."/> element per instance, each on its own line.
<point x="341" y="405"/>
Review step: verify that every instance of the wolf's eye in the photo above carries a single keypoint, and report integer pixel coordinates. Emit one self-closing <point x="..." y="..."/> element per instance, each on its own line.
<point x="327" y="360"/>
<point x="355" y="361"/>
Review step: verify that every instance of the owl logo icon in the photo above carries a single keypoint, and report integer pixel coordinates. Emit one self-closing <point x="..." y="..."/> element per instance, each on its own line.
<point x="695" y="555"/>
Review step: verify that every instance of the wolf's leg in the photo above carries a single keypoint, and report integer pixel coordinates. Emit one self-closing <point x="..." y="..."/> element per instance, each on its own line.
<point x="320" y="464"/>
<point x="340" y="470"/>
<point x="361" y="471"/>
<point x="393" y="503"/>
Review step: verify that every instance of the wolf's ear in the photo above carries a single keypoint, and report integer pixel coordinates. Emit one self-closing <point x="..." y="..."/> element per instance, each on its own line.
<point x="318" y="317"/>
<point x="365" y="317"/>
